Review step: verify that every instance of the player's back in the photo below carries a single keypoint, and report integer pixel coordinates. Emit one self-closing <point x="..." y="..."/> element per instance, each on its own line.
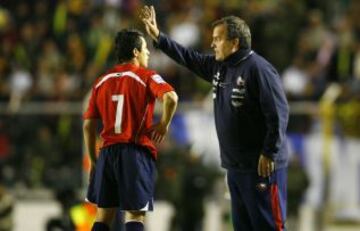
<point x="124" y="103"/>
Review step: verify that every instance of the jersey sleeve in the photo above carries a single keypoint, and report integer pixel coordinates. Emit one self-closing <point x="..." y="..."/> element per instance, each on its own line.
<point x="158" y="86"/>
<point x="92" y="111"/>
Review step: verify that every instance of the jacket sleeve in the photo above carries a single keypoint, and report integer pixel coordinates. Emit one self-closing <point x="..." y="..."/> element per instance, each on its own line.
<point x="274" y="106"/>
<point x="200" y="64"/>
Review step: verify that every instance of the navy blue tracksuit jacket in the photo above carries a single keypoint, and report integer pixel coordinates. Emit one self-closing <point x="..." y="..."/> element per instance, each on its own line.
<point x="251" y="110"/>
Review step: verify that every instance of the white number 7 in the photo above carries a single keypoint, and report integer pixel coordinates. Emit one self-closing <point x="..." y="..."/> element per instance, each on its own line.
<point x="119" y="112"/>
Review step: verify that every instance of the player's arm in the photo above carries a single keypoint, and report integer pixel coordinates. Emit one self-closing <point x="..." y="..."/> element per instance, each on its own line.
<point x="169" y="103"/>
<point x="89" y="130"/>
<point x="200" y="64"/>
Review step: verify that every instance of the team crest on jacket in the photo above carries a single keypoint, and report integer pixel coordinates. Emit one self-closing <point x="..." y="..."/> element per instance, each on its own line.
<point x="240" y="81"/>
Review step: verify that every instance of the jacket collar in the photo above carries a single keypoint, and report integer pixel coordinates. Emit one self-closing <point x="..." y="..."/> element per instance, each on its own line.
<point x="239" y="56"/>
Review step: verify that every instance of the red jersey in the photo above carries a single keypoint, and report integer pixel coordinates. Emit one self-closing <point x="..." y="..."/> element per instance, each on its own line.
<point x="124" y="100"/>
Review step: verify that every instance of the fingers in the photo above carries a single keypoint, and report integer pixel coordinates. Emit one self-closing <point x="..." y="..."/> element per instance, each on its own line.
<point x="147" y="16"/>
<point x="148" y="12"/>
<point x="157" y="137"/>
<point x="145" y="13"/>
<point x="146" y="22"/>
<point x="265" y="167"/>
<point x="152" y="13"/>
<point x="157" y="132"/>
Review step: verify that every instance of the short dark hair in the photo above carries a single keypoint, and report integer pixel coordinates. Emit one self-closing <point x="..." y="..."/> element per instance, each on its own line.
<point x="126" y="41"/>
<point x="236" y="28"/>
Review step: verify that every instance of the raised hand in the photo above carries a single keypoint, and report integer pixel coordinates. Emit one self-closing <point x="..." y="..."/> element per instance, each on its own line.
<point x="148" y="17"/>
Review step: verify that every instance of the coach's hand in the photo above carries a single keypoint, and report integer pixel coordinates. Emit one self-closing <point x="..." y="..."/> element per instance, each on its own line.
<point x="158" y="132"/>
<point x="265" y="166"/>
<point x="148" y="17"/>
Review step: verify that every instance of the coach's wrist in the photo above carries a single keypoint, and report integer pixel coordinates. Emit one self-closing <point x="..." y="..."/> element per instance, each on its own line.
<point x="156" y="35"/>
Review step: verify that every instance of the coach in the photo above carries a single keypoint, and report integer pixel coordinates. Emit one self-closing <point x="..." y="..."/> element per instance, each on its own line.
<point x="251" y="116"/>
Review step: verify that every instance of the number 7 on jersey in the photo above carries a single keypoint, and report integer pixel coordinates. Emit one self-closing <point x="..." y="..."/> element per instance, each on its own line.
<point x="119" y="112"/>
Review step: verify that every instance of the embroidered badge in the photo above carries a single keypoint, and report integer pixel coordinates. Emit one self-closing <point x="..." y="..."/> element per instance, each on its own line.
<point x="240" y="81"/>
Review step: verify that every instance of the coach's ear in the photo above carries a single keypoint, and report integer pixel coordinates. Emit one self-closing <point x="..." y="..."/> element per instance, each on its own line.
<point x="236" y="44"/>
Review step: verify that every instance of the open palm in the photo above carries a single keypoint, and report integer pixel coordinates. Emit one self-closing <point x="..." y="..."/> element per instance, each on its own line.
<point x="148" y="17"/>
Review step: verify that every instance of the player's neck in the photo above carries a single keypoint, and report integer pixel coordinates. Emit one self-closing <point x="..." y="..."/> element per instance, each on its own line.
<point x="134" y="62"/>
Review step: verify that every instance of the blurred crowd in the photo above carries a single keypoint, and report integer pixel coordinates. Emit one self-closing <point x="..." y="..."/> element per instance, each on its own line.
<point x="52" y="51"/>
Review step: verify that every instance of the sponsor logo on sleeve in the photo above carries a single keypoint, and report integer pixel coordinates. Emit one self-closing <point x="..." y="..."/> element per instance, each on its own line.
<point x="158" y="79"/>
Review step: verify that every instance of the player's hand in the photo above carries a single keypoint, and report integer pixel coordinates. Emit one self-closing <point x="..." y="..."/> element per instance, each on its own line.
<point x="158" y="132"/>
<point x="265" y="166"/>
<point x="148" y="17"/>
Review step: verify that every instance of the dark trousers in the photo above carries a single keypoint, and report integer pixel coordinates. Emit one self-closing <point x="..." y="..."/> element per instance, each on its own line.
<point x="257" y="203"/>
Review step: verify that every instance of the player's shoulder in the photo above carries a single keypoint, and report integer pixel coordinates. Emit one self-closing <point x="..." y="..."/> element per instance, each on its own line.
<point x="145" y="72"/>
<point x="103" y="76"/>
<point x="149" y="75"/>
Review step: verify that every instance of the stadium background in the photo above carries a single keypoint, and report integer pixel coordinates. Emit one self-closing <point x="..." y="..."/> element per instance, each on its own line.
<point x="51" y="52"/>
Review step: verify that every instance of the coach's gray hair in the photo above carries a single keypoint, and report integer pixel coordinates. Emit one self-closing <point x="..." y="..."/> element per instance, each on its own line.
<point x="236" y="28"/>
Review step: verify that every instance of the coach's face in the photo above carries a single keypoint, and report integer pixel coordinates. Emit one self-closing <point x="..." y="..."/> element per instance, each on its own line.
<point x="223" y="47"/>
<point x="144" y="54"/>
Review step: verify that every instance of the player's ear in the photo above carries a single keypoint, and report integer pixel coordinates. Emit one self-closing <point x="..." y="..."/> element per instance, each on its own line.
<point x="136" y="52"/>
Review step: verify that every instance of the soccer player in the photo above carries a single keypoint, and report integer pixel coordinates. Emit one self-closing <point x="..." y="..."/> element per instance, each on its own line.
<point x="251" y="116"/>
<point x="123" y="99"/>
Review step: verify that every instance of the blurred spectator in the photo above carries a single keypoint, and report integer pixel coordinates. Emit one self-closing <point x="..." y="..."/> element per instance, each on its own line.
<point x="183" y="173"/>
<point x="184" y="28"/>
<point x="316" y="30"/>
<point x="4" y="145"/>
<point x="4" y="19"/>
<point x="197" y="181"/>
<point x="67" y="199"/>
<point x="4" y="72"/>
<point x="20" y="83"/>
<point x="357" y="62"/>
<point x="298" y="183"/>
<point x="297" y="82"/>
<point x="341" y="68"/>
<point x="6" y="210"/>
